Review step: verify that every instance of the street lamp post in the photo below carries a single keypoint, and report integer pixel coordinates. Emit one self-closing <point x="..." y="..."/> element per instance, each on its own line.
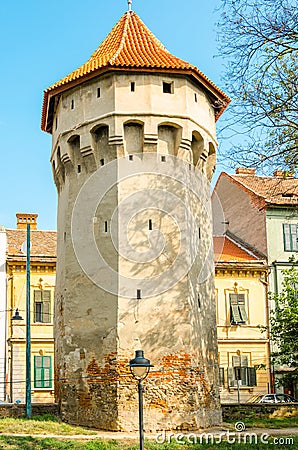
<point x="140" y="367"/>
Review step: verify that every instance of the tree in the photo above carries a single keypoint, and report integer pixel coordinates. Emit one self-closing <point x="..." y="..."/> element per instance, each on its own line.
<point x="259" y="41"/>
<point x="284" y="324"/>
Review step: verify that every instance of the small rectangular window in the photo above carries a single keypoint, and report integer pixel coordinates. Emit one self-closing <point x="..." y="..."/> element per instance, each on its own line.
<point x="163" y="158"/>
<point x="79" y="168"/>
<point x="139" y="294"/>
<point x="72" y="104"/>
<point x="167" y="88"/>
<point x="98" y="92"/>
<point x="150" y="224"/>
<point x="43" y="372"/>
<point x="240" y="372"/>
<point x="132" y="86"/>
<point x="42" y="306"/>
<point x="106" y="226"/>
<point x="290" y="233"/>
<point x="102" y="162"/>
<point x="196" y="98"/>
<point x="130" y="157"/>
<point x="237" y="309"/>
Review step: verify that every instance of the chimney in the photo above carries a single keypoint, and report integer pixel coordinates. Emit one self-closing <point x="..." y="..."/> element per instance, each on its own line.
<point x="283" y="174"/>
<point x="279" y="173"/>
<point x="245" y="171"/>
<point x="23" y="219"/>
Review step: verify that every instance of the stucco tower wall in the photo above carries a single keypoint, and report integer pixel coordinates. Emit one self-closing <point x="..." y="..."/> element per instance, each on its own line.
<point x="97" y="331"/>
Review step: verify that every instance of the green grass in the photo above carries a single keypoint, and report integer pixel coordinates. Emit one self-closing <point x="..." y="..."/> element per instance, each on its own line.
<point x="46" y="424"/>
<point x="30" y="443"/>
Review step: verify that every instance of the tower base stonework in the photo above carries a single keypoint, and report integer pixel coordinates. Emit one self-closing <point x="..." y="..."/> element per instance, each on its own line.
<point x="175" y="398"/>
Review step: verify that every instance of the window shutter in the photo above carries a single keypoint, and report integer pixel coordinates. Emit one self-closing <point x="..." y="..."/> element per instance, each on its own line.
<point x="293" y="236"/>
<point x="244" y="361"/>
<point x="47" y="370"/>
<point x="243" y="376"/>
<point x="287" y="237"/>
<point x="46" y="312"/>
<point x="243" y="313"/>
<point x="236" y="361"/>
<point x="233" y="299"/>
<point x="46" y="296"/>
<point x="252" y="376"/>
<point x="235" y="314"/>
<point x="38" y="379"/>
<point x="221" y="376"/>
<point x="231" y="376"/>
<point x="37" y="296"/>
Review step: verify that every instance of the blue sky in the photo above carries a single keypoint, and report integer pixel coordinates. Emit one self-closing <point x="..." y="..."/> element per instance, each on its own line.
<point x="40" y="42"/>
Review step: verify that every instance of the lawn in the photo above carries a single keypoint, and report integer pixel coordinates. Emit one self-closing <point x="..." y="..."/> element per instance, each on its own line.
<point x="46" y="424"/>
<point x="51" y="425"/>
<point x="30" y="443"/>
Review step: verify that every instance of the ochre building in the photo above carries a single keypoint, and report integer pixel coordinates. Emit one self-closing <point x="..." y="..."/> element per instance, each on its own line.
<point x="42" y="286"/>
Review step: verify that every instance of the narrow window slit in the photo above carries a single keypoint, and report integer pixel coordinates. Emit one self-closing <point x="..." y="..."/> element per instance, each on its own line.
<point x="196" y="98"/>
<point x="79" y="168"/>
<point x="102" y="162"/>
<point x="167" y="88"/>
<point x="150" y="224"/>
<point x="132" y="86"/>
<point x="72" y="104"/>
<point x="139" y="294"/>
<point x="163" y="158"/>
<point x="106" y="226"/>
<point x="98" y="92"/>
<point x="130" y="157"/>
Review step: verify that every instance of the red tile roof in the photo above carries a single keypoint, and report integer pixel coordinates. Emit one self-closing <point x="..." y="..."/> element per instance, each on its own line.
<point x="130" y="45"/>
<point x="43" y="244"/>
<point x="274" y="190"/>
<point x="225" y="250"/>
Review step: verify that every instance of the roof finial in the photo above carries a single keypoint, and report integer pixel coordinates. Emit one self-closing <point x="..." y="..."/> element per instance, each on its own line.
<point x="129" y="4"/>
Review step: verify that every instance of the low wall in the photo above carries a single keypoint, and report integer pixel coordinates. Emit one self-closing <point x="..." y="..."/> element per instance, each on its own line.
<point x="234" y="411"/>
<point x="19" y="410"/>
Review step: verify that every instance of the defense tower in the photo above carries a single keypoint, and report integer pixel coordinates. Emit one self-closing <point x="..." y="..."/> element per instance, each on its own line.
<point x="133" y="99"/>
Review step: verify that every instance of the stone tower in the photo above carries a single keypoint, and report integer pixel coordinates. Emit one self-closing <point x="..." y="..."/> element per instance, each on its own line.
<point x="134" y="141"/>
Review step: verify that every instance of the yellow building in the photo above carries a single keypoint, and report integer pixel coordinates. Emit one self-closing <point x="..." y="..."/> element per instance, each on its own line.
<point x="42" y="284"/>
<point x="242" y="306"/>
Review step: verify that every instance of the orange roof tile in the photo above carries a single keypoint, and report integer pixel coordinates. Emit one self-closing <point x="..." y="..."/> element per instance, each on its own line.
<point x="130" y="45"/>
<point x="43" y="244"/>
<point x="225" y="250"/>
<point x="274" y="190"/>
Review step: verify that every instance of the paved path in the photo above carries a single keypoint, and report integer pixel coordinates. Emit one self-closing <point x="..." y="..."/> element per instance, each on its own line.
<point x="110" y="435"/>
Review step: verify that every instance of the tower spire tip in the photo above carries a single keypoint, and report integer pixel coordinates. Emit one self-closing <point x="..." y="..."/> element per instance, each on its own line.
<point x="129" y="4"/>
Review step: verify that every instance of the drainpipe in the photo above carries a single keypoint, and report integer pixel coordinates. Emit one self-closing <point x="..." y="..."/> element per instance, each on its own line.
<point x="275" y="278"/>
<point x="267" y="320"/>
<point x="274" y="265"/>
